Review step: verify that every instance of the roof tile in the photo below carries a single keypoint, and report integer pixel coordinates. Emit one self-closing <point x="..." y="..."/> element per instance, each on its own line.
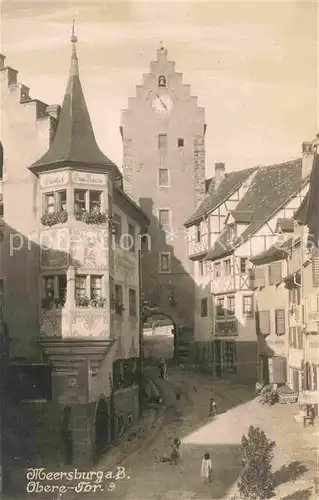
<point x="218" y="194"/>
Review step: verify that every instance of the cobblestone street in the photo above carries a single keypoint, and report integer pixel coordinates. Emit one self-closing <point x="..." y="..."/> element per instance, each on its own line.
<point x="147" y="479"/>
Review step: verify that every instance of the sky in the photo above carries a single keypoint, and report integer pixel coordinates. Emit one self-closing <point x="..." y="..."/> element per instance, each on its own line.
<point x="253" y="66"/>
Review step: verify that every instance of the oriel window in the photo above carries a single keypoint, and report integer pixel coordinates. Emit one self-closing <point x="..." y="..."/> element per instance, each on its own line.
<point x="96" y="287"/>
<point x="95" y="201"/>
<point x="61" y="201"/>
<point x="79" y="200"/>
<point x="80" y="286"/>
<point x="49" y="203"/>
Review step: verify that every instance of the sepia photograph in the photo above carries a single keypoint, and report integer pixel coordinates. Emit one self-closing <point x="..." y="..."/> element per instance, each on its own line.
<point x="159" y="250"/>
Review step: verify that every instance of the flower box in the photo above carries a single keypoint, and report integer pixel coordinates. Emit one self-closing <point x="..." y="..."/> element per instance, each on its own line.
<point x="86" y="302"/>
<point x="91" y="217"/>
<point x="51" y="219"/>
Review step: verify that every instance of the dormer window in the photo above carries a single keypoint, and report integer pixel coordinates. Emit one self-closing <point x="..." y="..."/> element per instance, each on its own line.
<point x="55" y="202"/>
<point x="162" y="81"/>
<point x="231" y="232"/>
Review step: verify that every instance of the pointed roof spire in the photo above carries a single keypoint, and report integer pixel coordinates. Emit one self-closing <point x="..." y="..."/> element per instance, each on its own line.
<point x="74" y="142"/>
<point x="74" y="70"/>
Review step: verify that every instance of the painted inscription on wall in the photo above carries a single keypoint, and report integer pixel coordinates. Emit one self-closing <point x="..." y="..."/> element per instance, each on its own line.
<point x="54" y="179"/>
<point x="87" y="178"/>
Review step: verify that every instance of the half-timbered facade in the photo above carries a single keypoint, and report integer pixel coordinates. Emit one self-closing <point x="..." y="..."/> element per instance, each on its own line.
<point x="203" y="229"/>
<point x="255" y="215"/>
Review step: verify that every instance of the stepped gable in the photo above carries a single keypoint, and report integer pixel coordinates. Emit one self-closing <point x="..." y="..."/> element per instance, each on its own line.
<point x="271" y="189"/>
<point x="217" y="195"/>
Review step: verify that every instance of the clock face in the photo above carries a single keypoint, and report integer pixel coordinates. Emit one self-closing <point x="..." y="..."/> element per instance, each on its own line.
<point x="162" y="103"/>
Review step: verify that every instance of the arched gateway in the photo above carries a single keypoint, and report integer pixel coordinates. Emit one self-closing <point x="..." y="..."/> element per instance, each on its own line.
<point x="149" y="312"/>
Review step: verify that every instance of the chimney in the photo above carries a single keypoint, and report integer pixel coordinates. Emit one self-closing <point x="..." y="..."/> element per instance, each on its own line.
<point x="219" y="173"/>
<point x="308" y="153"/>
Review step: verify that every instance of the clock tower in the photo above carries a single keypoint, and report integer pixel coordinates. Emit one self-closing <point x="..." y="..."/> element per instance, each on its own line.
<point x="163" y="132"/>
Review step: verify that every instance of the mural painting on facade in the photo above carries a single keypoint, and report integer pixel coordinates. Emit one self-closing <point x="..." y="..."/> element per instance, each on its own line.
<point x="54" y="248"/>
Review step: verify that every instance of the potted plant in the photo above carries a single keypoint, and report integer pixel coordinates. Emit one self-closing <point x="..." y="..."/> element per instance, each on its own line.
<point x="98" y="302"/>
<point x="82" y="301"/>
<point x="91" y="217"/>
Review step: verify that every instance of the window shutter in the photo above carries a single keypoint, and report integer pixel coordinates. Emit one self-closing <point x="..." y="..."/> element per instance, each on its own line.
<point x="278" y="370"/>
<point x="280" y="321"/>
<point x="275" y="274"/>
<point x="314" y="379"/>
<point x="315" y="267"/>
<point x="303" y="385"/>
<point x="259" y="278"/>
<point x="264" y="322"/>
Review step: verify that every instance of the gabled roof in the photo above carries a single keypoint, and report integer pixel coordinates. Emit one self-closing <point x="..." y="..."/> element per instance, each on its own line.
<point x="285" y="225"/>
<point x="308" y="210"/>
<point x="74" y="142"/>
<point x="272" y="187"/>
<point x="219" y="194"/>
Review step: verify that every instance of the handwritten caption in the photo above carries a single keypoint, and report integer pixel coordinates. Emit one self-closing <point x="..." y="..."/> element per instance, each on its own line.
<point x="42" y="481"/>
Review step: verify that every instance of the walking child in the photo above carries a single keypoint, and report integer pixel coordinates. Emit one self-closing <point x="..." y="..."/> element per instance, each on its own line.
<point x="206" y="469"/>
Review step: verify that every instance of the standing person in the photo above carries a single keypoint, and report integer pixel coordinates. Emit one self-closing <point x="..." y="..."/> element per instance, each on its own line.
<point x="163" y="369"/>
<point x="212" y="407"/>
<point x="175" y="455"/>
<point x="206" y="469"/>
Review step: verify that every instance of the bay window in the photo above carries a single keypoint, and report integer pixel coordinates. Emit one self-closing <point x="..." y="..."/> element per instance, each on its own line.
<point x="89" y="200"/>
<point x="88" y="288"/>
<point x="55" y="201"/>
<point x="96" y="287"/>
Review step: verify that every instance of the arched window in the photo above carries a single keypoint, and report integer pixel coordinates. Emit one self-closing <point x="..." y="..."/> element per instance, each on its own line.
<point x="1" y="160"/>
<point x="162" y="81"/>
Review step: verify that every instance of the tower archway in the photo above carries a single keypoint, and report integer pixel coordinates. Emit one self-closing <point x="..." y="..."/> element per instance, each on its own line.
<point x="160" y="335"/>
